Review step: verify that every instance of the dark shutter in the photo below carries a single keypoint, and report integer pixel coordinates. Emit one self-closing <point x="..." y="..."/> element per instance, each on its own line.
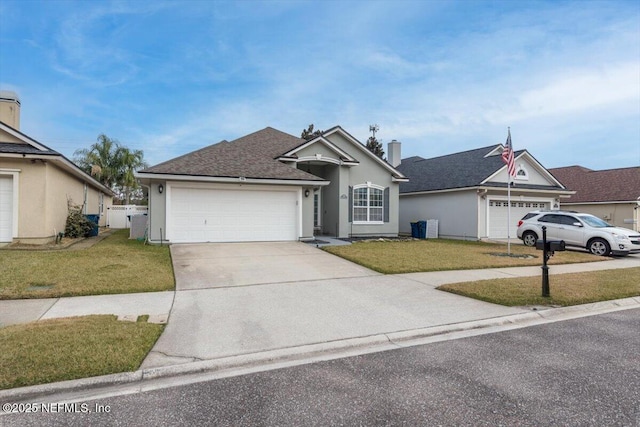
<point x="350" y="204"/>
<point x="386" y="205"/>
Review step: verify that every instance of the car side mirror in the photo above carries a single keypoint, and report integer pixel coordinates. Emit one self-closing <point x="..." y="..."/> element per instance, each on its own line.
<point x="577" y="224"/>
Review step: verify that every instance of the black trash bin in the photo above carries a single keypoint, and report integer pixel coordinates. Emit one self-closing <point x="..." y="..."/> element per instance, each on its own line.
<point x="95" y="219"/>
<point x="414" y="230"/>
<point x="422" y="229"/>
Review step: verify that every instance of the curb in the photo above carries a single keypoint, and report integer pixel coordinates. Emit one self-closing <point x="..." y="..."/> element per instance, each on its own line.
<point x="290" y="356"/>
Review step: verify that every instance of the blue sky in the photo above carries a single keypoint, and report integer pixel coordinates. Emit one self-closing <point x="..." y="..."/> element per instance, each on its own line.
<point x="170" y="77"/>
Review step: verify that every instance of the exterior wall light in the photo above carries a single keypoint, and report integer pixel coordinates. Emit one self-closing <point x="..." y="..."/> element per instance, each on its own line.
<point x="160" y="188"/>
<point x="306" y="193"/>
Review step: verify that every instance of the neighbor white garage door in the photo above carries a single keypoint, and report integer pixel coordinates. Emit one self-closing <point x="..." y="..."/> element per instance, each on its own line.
<point x="498" y="216"/>
<point x="214" y="215"/>
<point x="6" y="208"/>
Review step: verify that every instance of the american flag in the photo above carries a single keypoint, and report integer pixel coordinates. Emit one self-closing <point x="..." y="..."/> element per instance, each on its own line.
<point x="507" y="156"/>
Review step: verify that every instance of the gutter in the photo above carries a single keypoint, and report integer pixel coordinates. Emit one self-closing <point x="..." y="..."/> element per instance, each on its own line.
<point x="228" y="180"/>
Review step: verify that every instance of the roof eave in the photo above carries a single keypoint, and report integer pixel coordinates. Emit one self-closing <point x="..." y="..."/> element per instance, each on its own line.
<point x="66" y="165"/>
<point x="487" y="187"/>
<point x="145" y="176"/>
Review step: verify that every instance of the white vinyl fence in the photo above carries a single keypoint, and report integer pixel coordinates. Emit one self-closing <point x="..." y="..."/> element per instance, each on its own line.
<point x="119" y="216"/>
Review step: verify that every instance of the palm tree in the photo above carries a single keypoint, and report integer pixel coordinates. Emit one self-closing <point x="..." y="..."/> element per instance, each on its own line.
<point x="99" y="160"/>
<point x="112" y="164"/>
<point x="128" y="161"/>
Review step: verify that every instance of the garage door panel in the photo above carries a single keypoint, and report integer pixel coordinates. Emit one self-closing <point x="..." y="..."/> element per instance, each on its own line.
<point x="498" y="216"/>
<point x="214" y="215"/>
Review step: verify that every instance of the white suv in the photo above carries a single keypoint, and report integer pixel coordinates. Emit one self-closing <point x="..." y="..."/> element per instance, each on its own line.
<point x="580" y="230"/>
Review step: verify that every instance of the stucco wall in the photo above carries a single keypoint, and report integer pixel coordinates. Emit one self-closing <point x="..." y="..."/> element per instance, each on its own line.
<point x="331" y="200"/>
<point x="60" y="188"/>
<point x="307" y="214"/>
<point x="7" y="137"/>
<point x="157" y="211"/>
<point x="456" y="213"/>
<point x="44" y="189"/>
<point x="368" y="170"/>
<point x="613" y="213"/>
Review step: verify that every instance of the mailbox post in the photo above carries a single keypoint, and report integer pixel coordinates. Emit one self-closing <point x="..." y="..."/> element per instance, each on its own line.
<point x="548" y="248"/>
<point x="545" y="268"/>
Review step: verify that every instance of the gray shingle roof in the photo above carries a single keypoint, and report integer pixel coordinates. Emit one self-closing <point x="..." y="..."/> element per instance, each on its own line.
<point x="13" y="148"/>
<point x="458" y="170"/>
<point x="252" y="156"/>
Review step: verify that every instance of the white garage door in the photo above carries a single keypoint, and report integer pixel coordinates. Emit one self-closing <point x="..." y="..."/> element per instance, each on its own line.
<point x="498" y="216"/>
<point x="213" y="215"/>
<point x="6" y="208"/>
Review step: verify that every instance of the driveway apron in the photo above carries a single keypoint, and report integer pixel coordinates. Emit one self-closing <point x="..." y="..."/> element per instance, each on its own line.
<point x="240" y="298"/>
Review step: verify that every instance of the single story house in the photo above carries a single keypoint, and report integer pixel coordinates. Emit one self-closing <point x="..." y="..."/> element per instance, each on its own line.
<point x="467" y="192"/>
<point x="272" y="186"/>
<point x="613" y="194"/>
<point x="36" y="183"/>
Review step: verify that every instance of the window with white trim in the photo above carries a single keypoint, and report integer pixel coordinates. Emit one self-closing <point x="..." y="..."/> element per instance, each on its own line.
<point x="521" y="173"/>
<point x="368" y="204"/>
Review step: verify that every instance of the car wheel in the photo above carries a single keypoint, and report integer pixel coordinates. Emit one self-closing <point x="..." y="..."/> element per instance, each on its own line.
<point x="529" y="238"/>
<point x="599" y="247"/>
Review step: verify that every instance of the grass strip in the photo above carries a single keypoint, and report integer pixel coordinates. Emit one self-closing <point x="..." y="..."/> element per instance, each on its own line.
<point x="114" y="265"/>
<point x="396" y="257"/>
<point x="566" y="289"/>
<point x="71" y="348"/>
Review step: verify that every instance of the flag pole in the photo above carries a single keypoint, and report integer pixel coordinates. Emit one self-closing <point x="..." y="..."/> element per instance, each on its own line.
<point x="508" y="158"/>
<point x="508" y="213"/>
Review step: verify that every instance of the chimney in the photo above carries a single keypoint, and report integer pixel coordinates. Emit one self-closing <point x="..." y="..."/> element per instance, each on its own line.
<point x="10" y="108"/>
<point x="393" y="153"/>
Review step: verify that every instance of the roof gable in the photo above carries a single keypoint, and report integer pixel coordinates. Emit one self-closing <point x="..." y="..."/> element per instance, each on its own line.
<point x="251" y="156"/>
<point x="479" y="167"/>
<point x="320" y="140"/>
<point x="361" y="149"/>
<point x="30" y="148"/>
<point x="612" y="185"/>
<point x="11" y="136"/>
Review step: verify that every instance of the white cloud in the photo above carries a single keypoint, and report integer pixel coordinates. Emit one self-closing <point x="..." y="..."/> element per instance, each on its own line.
<point x="583" y="90"/>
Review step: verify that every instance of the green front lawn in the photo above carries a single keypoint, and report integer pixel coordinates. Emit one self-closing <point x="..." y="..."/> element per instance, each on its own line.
<point x="114" y="265"/>
<point x="77" y="347"/>
<point x="395" y="257"/>
<point x="565" y="289"/>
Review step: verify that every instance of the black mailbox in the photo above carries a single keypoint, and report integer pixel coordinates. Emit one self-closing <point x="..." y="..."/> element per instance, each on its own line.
<point x="552" y="245"/>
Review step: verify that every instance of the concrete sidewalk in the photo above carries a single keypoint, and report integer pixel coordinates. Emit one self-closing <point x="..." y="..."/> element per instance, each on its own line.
<point x="156" y="304"/>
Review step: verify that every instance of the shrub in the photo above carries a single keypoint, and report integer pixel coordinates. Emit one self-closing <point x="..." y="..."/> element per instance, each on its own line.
<point x="77" y="224"/>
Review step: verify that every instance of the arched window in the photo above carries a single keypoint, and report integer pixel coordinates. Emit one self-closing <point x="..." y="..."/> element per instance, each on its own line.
<point x="368" y="203"/>
<point x="521" y="173"/>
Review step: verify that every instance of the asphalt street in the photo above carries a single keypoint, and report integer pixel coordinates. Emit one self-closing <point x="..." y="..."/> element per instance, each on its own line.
<point x="581" y="372"/>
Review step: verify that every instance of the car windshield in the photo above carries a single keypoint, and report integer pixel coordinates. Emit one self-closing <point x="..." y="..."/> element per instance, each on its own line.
<point x="594" y="221"/>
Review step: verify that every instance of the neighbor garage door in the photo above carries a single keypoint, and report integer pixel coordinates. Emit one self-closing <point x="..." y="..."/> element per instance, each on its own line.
<point x="214" y="215"/>
<point x="6" y="208"/>
<point x="498" y="216"/>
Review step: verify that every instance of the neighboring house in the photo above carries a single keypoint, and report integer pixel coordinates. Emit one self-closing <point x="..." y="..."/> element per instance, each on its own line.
<point x="271" y="186"/>
<point x="613" y="195"/>
<point x="467" y="192"/>
<point x="36" y="182"/>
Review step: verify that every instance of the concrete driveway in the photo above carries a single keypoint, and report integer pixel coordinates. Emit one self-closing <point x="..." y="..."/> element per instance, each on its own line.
<point x="241" y="298"/>
<point x="222" y="265"/>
